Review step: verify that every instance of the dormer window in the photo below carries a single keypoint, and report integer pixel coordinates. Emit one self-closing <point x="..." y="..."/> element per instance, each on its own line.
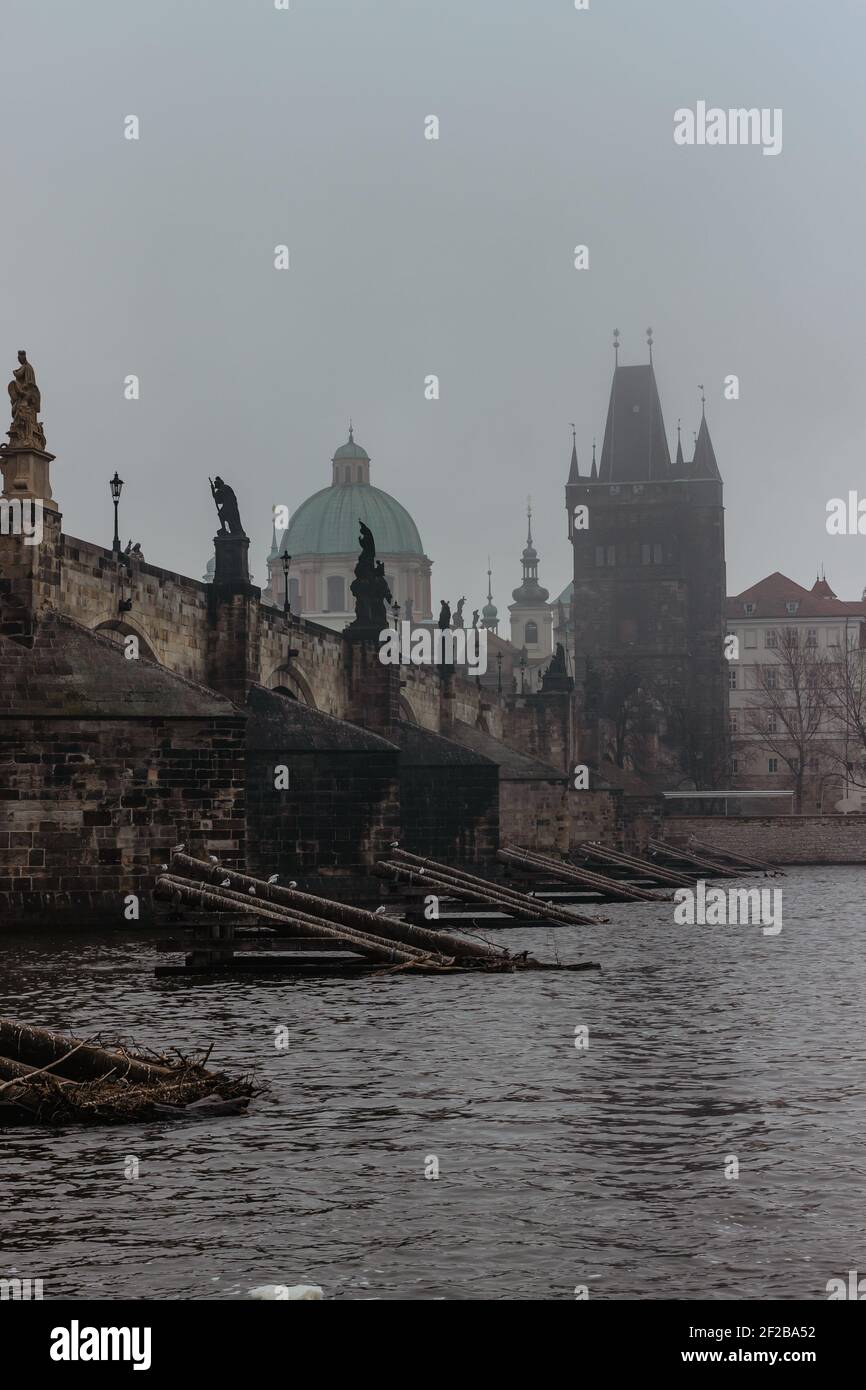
<point x="791" y="607"/>
<point x="748" y="609"/>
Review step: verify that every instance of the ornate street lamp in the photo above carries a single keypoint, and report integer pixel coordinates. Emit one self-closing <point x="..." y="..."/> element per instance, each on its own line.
<point x="523" y="671"/>
<point x="287" y="560"/>
<point x="499" y="672"/>
<point x="115" y="483"/>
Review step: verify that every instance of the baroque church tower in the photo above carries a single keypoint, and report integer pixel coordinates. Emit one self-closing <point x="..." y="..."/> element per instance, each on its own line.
<point x="531" y="614"/>
<point x="649" y="594"/>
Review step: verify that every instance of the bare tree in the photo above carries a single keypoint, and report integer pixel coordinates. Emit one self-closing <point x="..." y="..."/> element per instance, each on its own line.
<point x="790" y="714"/>
<point x="847" y="699"/>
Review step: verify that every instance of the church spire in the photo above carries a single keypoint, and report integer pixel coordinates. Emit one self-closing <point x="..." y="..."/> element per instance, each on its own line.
<point x="489" y="613"/>
<point x="593" y="476"/>
<point x="680" y="461"/>
<point x="574" y="471"/>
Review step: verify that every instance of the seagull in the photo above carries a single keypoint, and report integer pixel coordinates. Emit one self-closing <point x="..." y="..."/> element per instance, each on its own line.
<point x="293" y="883"/>
<point x="226" y="883"/>
<point x="213" y="859"/>
<point x="128" y="772"/>
<point x="252" y="890"/>
<point x="178" y="849"/>
<point x="273" y="878"/>
<point x="379" y="910"/>
<point x="395" y="844"/>
<point x="164" y="868"/>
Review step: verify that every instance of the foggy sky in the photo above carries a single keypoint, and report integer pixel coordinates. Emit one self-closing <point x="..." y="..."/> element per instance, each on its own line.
<point x="455" y="257"/>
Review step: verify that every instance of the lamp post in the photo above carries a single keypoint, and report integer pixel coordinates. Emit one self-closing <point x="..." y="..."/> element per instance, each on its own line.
<point x="395" y="613"/>
<point x="287" y="560"/>
<point x="523" y="671"/>
<point x="499" y="673"/>
<point x="115" y="483"/>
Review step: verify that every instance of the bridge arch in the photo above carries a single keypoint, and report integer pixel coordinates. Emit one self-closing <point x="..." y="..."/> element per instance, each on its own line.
<point x="289" y="681"/>
<point x="117" y="629"/>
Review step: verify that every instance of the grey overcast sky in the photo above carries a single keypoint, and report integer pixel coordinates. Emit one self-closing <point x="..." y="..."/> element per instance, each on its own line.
<point x="452" y="257"/>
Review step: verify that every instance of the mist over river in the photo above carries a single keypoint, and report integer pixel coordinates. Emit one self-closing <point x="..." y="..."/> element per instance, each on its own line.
<point x="558" y="1166"/>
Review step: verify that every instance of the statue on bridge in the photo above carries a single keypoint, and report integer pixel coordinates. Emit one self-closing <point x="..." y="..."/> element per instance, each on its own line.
<point x="25" y="432"/>
<point x="227" y="507"/>
<point x="370" y="587"/>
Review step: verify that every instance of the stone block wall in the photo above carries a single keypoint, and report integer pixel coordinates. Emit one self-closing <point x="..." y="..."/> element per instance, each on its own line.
<point x="89" y="809"/>
<point x="777" y="839"/>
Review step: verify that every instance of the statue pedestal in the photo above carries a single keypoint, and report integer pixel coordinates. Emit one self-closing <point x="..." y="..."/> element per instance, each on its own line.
<point x="26" y="475"/>
<point x="232" y="569"/>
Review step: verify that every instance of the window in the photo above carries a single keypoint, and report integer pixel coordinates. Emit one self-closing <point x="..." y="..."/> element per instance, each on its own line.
<point x="772" y="724"/>
<point x="732" y="723"/>
<point x="772" y="764"/>
<point x="791" y="607"/>
<point x="530" y="634"/>
<point x="771" y="678"/>
<point x="748" y="609"/>
<point x="735" y="766"/>
<point x="751" y="637"/>
<point x="336" y="589"/>
<point x="770" y="637"/>
<point x="812" y="637"/>
<point x="732" y="678"/>
<point x="599" y="556"/>
<point x="833" y="637"/>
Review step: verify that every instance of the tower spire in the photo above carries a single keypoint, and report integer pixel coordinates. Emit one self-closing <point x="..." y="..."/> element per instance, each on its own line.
<point x="649" y="339"/>
<point x="616" y="347"/>
<point x="594" y="471"/>
<point x="574" y="471"/>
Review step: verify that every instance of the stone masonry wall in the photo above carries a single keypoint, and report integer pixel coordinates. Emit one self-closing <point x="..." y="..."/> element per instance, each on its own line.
<point x="90" y="808"/>
<point x="778" y="839"/>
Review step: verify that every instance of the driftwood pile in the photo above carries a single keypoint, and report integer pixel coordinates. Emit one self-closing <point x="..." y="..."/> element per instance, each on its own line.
<point x="298" y="915"/>
<point x="50" y="1078"/>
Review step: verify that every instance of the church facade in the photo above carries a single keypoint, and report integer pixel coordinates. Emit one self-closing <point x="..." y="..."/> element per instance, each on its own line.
<point x="321" y="540"/>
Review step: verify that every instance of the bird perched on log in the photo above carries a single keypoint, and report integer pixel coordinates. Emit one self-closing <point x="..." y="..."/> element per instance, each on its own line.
<point x="395" y="844"/>
<point x="226" y="883"/>
<point x="164" y="868"/>
<point x="178" y="849"/>
<point x="252" y="890"/>
<point x="273" y="878"/>
<point x="379" y="910"/>
<point x="213" y="859"/>
<point x="293" y="884"/>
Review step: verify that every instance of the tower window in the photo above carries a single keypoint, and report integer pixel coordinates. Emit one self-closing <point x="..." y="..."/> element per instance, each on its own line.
<point x="611" y="555"/>
<point x="336" y="590"/>
<point x="599" y="556"/>
<point x="732" y="678"/>
<point x="294" y="596"/>
<point x="530" y="634"/>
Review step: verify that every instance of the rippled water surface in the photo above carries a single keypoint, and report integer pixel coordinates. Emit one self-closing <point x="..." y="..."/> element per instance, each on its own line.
<point x="558" y="1167"/>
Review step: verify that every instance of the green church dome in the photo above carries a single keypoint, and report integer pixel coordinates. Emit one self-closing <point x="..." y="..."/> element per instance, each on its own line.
<point x="327" y="523"/>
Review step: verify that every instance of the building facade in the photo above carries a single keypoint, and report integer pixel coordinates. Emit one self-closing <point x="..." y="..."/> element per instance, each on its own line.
<point x="786" y="711"/>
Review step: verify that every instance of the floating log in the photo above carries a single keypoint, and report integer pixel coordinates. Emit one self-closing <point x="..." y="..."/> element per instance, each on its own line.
<point x="512" y="904"/>
<point x="72" y="1057"/>
<point x="569" y="873"/>
<point x="742" y="859"/>
<point x="648" y="869"/>
<point x="294" y="922"/>
<point x="487" y="887"/>
<point x="326" y="909"/>
<point x="678" y="852"/>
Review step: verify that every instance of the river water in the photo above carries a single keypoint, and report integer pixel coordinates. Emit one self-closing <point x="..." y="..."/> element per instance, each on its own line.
<point x="559" y="1167"/>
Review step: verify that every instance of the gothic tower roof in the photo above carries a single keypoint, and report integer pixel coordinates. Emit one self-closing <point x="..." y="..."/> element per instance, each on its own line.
<point x="635" y="447"/>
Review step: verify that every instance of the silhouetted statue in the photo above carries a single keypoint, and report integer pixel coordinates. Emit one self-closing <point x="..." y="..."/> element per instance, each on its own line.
<point x="475" y="617"/>
<point x="445" y="615"/>
<point x="556" y="676"/>
<point x="458" y="616"/>
<point x="370" y="587"/>
<point x="227" y="507"/>
<point x="25" y="432"/>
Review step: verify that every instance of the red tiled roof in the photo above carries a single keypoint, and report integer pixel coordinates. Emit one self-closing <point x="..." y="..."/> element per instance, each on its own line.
<point x="770" y="596"/>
